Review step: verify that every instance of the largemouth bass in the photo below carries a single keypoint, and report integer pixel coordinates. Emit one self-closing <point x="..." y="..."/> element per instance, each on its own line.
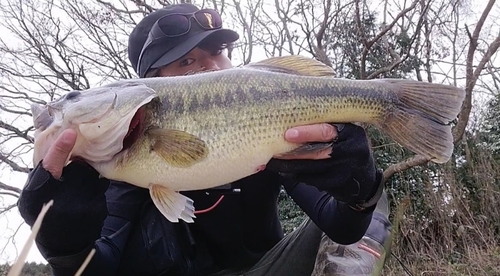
<point x="193" y="132"/>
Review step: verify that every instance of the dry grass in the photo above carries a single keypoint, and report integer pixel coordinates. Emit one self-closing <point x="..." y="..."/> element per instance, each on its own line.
<point x="460" y="236"/>
<point x="18" y="265"/>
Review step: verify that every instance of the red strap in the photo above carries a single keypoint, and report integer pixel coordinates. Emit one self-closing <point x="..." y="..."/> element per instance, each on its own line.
<point x="210" y="208"/>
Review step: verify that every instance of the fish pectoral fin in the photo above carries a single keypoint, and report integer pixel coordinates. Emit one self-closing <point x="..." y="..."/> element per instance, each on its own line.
<point x="177" y="147"/>
<point x="295" y="64"/>
<point x="306" y="149"/>
<point x="172" y="204"/>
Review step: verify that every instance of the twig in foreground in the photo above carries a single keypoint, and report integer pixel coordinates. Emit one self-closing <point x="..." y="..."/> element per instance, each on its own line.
<point x="19" y="264"/>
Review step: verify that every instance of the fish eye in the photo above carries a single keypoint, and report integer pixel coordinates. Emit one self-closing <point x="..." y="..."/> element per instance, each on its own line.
<point x="72" y="95"/>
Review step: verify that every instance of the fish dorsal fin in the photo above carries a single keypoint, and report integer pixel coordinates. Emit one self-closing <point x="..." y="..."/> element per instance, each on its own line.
<point x="295" y="64"/>
<point x="177" y="147"/>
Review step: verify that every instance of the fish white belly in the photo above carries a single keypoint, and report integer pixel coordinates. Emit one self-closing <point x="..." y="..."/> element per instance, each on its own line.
<point x="217" y="169"/>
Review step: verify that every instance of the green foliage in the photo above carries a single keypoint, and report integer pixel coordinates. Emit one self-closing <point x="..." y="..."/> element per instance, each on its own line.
<point x="489" y="135"/>
<point x="347" y="49"/>
<point x="29" y="269"/>
<point x="454" y="223"/>
<point x="290" y="213"/>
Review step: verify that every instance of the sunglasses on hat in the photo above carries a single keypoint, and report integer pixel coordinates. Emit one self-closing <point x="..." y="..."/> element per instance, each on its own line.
<point x="179" y="24"/>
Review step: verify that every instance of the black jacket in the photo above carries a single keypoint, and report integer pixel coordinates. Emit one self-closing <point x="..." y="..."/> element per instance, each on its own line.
<point x="133" y="238"/>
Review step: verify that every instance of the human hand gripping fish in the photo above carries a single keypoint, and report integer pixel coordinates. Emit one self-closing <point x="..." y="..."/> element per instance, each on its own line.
<point x="200" y="131"/>
<point x="58" y="154"/>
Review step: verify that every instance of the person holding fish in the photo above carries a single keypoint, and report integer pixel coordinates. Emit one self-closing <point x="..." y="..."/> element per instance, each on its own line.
<point x="236" y="230"/>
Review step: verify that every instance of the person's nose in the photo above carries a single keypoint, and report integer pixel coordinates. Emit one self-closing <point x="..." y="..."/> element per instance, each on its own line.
<point x="210" y="64"/>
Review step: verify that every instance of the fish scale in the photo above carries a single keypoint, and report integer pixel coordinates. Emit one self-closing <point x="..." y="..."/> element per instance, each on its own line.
<point x="205" y="130"/>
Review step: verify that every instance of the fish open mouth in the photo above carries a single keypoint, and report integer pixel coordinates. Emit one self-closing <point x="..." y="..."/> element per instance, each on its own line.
<point x="134" y="129"/>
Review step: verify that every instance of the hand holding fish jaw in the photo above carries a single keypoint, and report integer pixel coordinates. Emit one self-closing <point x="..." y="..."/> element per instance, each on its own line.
<point x="57" y="155"/>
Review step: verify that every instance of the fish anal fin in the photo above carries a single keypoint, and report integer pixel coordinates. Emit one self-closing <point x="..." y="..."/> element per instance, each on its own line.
<point x="306" y="149"/>
<point x="177" y="147"/>
<point x="172" y="204"/>
<point x="294" y="64"/>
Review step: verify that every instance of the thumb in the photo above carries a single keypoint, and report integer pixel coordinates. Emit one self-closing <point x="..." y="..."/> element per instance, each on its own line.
<point x="56" y="157"/>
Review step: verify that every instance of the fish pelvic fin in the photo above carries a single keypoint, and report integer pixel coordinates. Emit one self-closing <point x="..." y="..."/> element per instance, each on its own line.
<point x="422" y="117"/>
<point x="295" y="64"/>
<point x="171" y="204"/>
<point x="177" y="147"/>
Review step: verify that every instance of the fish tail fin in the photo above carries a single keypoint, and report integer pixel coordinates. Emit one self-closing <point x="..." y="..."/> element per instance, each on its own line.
<point x="421" y="119"/>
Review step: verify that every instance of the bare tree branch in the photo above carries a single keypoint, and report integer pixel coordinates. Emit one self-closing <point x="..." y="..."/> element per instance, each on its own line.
<point x="2" y="193"/>
<point x="463" y="117"/>
<point x="282" y="15"/>
<point x="8" y="208"/>
<point x="397" y="60"/>
<point x="18" y="132"/>
<point x="369" y="43"/>
<point x="143" y="4"/>
<point x="416" y="160"/>
<point x="4" y="186"/>
<point x="13" y="164"/>
<point x="247" y="27"/>
<point x="319" y="48"/>
<point x="118" y="10"/>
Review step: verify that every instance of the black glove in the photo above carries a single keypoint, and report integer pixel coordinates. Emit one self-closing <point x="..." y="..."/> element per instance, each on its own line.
<point x="349" y="175"/>
<point x="75" y="219"/>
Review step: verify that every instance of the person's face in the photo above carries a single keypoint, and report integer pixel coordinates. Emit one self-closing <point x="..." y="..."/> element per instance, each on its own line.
<point x="199" y="59"/>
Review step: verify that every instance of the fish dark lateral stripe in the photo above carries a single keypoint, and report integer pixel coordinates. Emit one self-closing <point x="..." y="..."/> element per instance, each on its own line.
<point x="239" y="93"/>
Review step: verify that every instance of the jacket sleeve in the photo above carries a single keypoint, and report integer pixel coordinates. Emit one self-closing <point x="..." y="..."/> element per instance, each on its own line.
<point x="80" y="218"/>
<point x="337" y="219"/>
<point x="124" y="203"/>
